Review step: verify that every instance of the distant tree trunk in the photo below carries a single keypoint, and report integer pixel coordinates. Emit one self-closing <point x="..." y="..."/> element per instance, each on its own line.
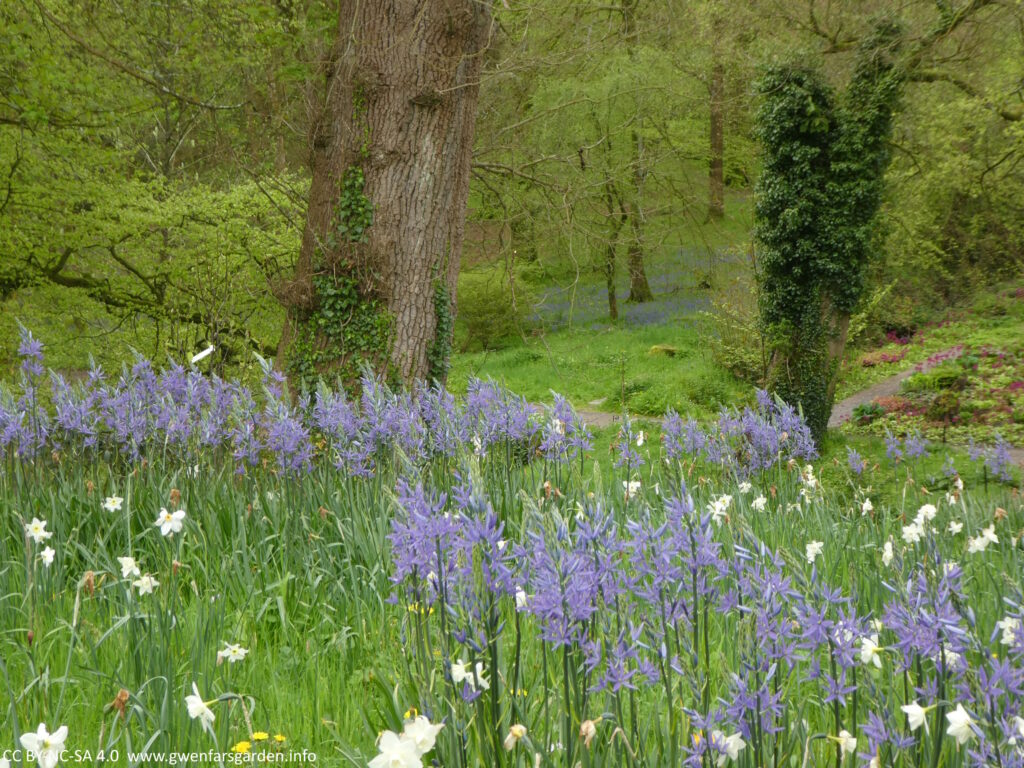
<point x="716" y="169"/>
<point x="391" y="145"/>
<point x="615" y="222"/>
<point x="639" y="289"/>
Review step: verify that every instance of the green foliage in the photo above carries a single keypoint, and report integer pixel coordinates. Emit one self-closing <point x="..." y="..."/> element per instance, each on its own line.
<point x="345" y="332"/>
<point x="347" y="328"/>
<point x="354" y="213"/>
<point x="820" y="189"/>
<point x="734" y="333"/>
<point x="488" y="318"/>
<point x="440" y="352"/>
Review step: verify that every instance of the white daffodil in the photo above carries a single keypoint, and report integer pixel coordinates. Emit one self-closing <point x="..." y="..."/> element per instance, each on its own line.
<point x="926" y="514"/>
<point x="461" y="674"/>
<point x="37" y="530"/>
<point x="632" y="488"/>
<point x="199" y="709"/>
<point x="47" y="747"/>
<point x="515" y="734"/>
<point x="232" y="653"/>
<point x="814" y="548"/>
<point x="807" y="475"/>
<point x="866" y="507"/>
<point x="871" y="651"/>
<point x="887" y="553"/>
<point x="1009" y="627"/>
<point x="960" y="725"/>
<point x="146" y="584"/>
<point x="913" y="533"/>
<point x="521" y="599"/>
<point x="47" y="556"/>
<point x="421" y="733"/>
<point x="759" y="504"/>
<point x="395" y="753"/>
<point x="981" y="542"/>
<point x="719" y="508"/>
<point x="170" y="523"/>
<point x="113" y="503"/>
<point x="958" y="483"/>
<point x="954" y="527"/>
<point x="732" y="744"/>
<point x="129" y="567"/>
<point x="745" y="487"/>
<point x="203" y="355"/>
<point x="847" y="742"/>
<point x="916" y="715"/>
<point x="640" y="437"/>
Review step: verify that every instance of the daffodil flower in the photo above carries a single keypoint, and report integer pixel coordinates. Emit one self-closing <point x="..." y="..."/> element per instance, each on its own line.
<point x="37" y="530"/>
<point x="916" y="715"/>
<point x="813" y="549"/>
<point x="395" y="753"/>
<point x="199" y="709"/>
<point x="960" y="725"/>
<point x="170" y="523"/>
<point x="129" y="567"/>
<point x="421" y="733"/>
<point x="145" y="584"/>
<point x="870" y="651"/>
<point x="232" y="652"/>
<point x="47" y="747"/>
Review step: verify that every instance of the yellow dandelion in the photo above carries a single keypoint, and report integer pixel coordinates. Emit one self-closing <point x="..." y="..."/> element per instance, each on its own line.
<point x="260" y="736"/>
<point x="279" y="738"/>
<point x="242" y="747"/>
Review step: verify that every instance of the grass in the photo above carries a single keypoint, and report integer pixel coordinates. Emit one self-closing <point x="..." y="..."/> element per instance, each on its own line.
<point x="644" y="370"/>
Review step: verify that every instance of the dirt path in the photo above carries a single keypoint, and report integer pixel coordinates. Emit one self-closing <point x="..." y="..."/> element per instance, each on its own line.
<point x="843" y="410"/>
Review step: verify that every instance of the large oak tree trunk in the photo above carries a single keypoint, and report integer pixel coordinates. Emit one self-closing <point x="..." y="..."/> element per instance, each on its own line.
<point x="394" y="127"/>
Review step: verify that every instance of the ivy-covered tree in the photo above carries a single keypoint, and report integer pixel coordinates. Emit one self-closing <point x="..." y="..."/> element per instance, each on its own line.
<point x="819" y="194"/>
<point x="391" y="144"/>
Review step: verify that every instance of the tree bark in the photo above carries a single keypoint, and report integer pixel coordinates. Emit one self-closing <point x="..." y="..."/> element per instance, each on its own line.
<point x="402" y="84"/>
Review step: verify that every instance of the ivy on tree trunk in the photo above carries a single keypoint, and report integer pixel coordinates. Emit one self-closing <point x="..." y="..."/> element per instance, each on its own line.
<point x="818" y="198"/>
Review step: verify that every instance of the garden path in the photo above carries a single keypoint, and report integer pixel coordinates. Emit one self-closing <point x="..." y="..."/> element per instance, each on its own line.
<point x="841" y="411"/>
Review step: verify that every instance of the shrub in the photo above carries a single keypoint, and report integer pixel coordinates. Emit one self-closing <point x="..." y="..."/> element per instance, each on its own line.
<point x="488" y="318"/>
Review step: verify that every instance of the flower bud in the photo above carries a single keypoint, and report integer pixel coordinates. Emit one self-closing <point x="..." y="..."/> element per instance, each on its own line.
<point x="515" y="733"/>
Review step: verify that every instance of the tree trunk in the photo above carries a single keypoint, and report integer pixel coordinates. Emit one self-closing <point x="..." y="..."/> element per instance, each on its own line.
<point x="391" y="146"/>
<point x="716" y="169"/>
<point x="615" y="223"/>
<point x="639" y="289"/>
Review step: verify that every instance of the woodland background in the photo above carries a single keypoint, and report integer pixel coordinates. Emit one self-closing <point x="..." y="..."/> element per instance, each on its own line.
<point x="154" y="170"/>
